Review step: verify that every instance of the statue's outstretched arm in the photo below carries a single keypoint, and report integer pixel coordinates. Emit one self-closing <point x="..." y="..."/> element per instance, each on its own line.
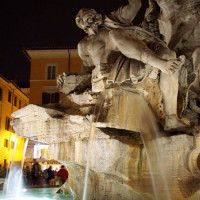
<point x="129" y="11"/>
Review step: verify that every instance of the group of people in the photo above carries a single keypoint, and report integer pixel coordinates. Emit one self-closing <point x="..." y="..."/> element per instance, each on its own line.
<point x="50" y="175"/>
<point x="35" y="176"/>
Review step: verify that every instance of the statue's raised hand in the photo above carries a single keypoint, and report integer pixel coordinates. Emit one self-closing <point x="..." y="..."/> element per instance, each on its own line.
<point x="60" y="79"/>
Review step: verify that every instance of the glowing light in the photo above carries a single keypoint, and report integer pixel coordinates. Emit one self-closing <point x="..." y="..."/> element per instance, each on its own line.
<point x="38" y="148"/>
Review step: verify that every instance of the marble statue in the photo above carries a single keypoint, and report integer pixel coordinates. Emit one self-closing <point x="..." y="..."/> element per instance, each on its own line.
<point x="111" y="39"/>
<point x="116" y="52"/>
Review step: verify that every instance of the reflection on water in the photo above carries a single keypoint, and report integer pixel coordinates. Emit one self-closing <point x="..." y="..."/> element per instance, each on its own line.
<point x="38" y="194"/>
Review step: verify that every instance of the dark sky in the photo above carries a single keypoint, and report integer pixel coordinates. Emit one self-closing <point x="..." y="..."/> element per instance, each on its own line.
<point x="41" y="23"/>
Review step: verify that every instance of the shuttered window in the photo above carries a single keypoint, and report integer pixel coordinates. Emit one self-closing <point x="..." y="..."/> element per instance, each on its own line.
<point x="15" y="101"/>
<point x="1" y="94"/>
<point x="9" y="96"/>
<point x="50" y="98"/>
<point x="7" y="124"/>
<point x="6" y="143"/>
<point x="51" y="72"/>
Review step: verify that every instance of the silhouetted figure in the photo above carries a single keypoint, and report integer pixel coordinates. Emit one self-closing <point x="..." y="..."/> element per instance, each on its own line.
<point x="28" y="179"/>
<point x="36" y="172"/>
<point x="45" y="176"/>
<point x="50" y="174"/>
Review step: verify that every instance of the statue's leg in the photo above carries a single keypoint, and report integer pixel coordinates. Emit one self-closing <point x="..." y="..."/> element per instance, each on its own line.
<point x="165" y="60"/>
<point x="169" y="88"/>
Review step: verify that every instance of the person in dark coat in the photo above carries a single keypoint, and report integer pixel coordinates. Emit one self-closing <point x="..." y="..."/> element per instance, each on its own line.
<point x="35" y="172"/>
<point x="50" y="174"/>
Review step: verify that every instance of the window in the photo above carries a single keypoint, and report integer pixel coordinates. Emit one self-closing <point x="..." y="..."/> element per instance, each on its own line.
<point x="20" y="104"/>
<point x="13" y="130"/>
<point x="50" y="98"/>
<point x="9" y="96"/>
<point x="7" y="125"/>
<point x="15" y="101"/>
<point x="1" y="94"/>
<point x="51" y="72"/>
<point x="5" y="163"/>
<point x="6" y="143"/>
<point x="12" y="145"/>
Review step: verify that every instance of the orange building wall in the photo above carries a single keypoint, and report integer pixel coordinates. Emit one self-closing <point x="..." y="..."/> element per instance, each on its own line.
<point x="76" y="65"/>
<point x="38" y="80"/>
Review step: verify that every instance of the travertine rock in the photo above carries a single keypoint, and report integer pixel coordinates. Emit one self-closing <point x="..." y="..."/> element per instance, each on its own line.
<point x="118" y="166"/>
<point x="69" y="83"/>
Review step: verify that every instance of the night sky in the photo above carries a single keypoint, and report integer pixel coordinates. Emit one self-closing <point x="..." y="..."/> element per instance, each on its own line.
<point x="42" y="24"/>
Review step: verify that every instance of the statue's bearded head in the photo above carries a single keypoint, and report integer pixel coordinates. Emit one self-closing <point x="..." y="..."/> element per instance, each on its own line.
<point x="88" y="20"/>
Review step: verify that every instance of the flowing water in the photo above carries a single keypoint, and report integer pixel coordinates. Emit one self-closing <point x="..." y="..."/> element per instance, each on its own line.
<point x="13" y="183"/>
<point x="38" y="194"/>
<point x="95" y="117"/>
<point x="151" y="137"/>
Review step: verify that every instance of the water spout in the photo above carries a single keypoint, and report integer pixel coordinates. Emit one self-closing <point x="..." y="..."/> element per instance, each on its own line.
<point x="151" y="137"/>
<point x="13" y="183"/>
<point x="95" y="117"/>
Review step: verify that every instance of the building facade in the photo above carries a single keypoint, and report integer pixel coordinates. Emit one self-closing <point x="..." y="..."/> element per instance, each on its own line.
<point x="46" y="65"/>
<point x="12" y="98"/>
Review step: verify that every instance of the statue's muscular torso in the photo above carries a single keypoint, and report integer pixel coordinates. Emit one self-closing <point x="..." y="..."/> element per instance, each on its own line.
<point x="97" y="49"/>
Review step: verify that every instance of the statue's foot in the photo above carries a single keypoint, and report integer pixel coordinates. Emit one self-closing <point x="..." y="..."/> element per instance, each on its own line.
<point x="172" y="122"/>
<point x="174" y="65"/>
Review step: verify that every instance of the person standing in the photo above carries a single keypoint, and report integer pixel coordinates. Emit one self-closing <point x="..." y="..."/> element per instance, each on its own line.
<point x="28" y="176"/>
<point x="50" y="175"/>
<point x="62" y="174"/>
<point x="35" y="172"/>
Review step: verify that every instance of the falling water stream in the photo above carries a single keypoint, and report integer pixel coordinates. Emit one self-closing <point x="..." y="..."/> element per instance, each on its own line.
<point x="150" y="136"/>
<point x="155" y="152"/>
<point x="13" y="183"/>
<point x="95" y="117"/>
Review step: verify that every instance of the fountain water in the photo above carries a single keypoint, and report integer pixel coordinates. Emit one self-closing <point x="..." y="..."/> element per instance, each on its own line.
<point x="95" y="117"/>
<point x="150" y="135"/>
<point x="13" y="183"/>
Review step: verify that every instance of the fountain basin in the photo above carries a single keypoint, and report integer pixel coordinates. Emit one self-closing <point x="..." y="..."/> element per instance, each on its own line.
<point x="37" y="194"/>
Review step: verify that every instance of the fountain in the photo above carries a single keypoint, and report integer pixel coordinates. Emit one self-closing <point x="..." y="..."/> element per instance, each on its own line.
<point x="146" y="141"/>
<point x="13" y="183"/>
<point x="14" y="188"/>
